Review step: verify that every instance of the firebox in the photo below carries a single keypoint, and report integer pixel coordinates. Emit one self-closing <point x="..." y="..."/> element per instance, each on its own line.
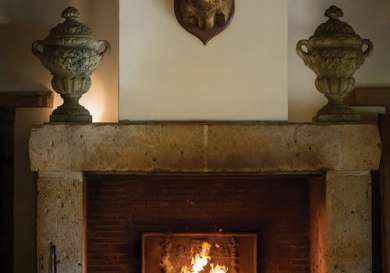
<point x="199" y="253"/>
<point x="190" y="223"/>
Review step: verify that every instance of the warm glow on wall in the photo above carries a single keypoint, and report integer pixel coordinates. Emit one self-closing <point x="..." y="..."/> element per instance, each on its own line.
<point x="94" y="100"/>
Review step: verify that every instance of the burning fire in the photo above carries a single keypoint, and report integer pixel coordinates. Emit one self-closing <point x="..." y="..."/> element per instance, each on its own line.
<point x="218" y="268"/>
<point x="200" y="261"/>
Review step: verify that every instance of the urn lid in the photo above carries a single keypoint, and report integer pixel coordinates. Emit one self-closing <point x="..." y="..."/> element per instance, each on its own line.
<point x="334" y="28"/>
<point x="71" y="27"/>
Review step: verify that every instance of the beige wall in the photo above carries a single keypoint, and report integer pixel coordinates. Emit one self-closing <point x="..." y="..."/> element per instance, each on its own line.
<point x="149" y="88"/>
<point x="168" y="74"/>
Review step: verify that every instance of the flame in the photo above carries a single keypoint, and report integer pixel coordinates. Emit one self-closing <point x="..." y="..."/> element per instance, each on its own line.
<point x="218" y="268"/>
<point x="200" y="261"/>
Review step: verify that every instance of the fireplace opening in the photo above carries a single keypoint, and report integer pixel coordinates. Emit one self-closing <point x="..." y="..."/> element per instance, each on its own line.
<point x="197" y="253"/>
<point x="204" y="223"/>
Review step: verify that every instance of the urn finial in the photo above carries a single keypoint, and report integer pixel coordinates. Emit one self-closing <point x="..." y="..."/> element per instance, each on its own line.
<point x="71" y="13"/>
<point x="334" y="12"/>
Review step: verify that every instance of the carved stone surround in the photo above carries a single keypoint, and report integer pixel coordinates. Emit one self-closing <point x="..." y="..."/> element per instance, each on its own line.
<point x="345" y="154"/>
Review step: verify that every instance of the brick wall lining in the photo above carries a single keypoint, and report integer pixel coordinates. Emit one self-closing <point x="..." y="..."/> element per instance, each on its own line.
<point x="120" y="208"/>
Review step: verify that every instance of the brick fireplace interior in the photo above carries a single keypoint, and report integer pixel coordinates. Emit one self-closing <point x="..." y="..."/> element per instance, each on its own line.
<point x="283" y="211"/>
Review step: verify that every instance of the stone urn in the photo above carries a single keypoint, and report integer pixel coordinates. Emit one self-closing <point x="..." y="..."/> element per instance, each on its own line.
<point x="335" y="52"/>
<point x="71" y="54"/>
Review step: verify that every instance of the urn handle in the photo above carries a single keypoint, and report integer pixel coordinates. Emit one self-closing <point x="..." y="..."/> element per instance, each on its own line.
<point x="106" y="47"/>
<point x="37" y="48"/>
<point x="369" y="49"/>
<point x="304" y="54"/>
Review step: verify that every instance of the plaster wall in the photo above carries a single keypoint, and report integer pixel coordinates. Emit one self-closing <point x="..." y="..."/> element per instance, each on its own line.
<point x="168" y="74"/>
<point x="23" y="21"/>
<point x="158" y="93"/>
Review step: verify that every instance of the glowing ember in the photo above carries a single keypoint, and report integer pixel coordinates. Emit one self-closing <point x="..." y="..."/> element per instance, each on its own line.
<point x="200" y="261"/>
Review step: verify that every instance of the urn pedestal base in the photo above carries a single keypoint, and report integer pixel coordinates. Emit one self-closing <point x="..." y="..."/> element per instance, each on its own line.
<point x="71" y="111"/>
<point x="57" y="117"/>
<point x="71" y="89"/>
<point x="336" y="113"/>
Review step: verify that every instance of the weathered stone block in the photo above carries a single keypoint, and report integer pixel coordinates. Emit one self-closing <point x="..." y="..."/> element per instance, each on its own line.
<point x="205" y="147"/>
<point x="348" y="224"/>
<point x="60" y="220"/>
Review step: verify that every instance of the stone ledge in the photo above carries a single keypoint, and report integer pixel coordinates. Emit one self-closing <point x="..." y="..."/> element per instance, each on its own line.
<point x="201" y="147"/>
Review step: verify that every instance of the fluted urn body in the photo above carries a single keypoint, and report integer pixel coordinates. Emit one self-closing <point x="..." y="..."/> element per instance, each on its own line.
<point x="335" y="52"/>
<point x="71" y="54"/>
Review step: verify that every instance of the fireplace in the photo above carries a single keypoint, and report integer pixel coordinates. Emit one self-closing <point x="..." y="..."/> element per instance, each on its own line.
<point x="161" y="197"/>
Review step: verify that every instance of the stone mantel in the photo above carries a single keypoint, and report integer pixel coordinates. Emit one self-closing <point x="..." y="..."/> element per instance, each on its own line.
<point x="344" y="153"/>
<point x="205" y="147"/>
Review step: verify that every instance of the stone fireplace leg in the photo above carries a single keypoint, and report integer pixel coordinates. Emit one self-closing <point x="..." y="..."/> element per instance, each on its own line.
<point x="60" y="220"/>
<point x="348" y="223"/>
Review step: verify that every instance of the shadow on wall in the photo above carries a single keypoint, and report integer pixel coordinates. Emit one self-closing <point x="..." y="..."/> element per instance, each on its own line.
<point x="24" y="21"/>
<point x="18" y="70"/>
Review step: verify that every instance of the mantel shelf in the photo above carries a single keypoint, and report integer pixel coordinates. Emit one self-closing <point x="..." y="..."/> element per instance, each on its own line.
<point x="204" y="148"/>
<point x="26" y="99"/>
<point x="369" y="96"/>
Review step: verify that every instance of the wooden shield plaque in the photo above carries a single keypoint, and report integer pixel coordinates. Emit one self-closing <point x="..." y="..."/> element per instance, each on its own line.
<point x="204" y="18"/>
